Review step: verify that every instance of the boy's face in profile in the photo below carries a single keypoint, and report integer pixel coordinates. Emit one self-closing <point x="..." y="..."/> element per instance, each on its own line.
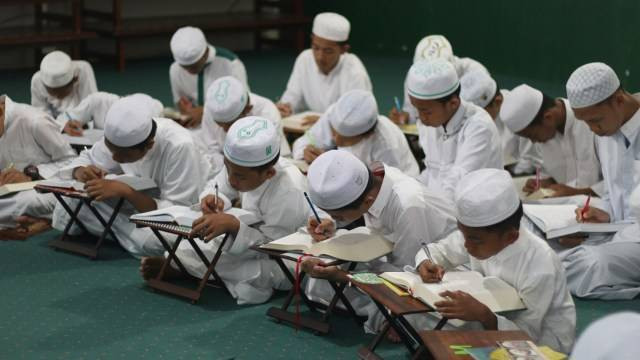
<point x="483" y="244"/>
<point x="244" y="179"/>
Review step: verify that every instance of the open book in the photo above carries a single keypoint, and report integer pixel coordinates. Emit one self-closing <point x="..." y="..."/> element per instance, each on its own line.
<point x="493" y="292"/>
<point x="560" y="220"/>
<point x="295" y="122"/>
<point x="88" y="138"/>
<point x="14" y="188"/>
<point x="360" y="244"/>
<point x="185" y="216"/>
<point x="137" y="183"/>
<point x="539" y="194"/>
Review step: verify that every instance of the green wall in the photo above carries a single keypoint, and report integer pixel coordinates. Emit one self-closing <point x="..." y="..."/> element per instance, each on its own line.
<point x="540" y="42"/>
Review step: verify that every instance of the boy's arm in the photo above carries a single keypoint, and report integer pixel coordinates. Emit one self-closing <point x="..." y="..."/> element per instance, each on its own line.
<point x="448" y="252"/>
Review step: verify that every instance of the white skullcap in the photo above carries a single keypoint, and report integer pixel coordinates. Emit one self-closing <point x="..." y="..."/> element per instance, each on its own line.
<point x="611" y="337"/>
<point x="331" y="26"/>
<point x="355" y="113"/>
<point x="433" y="47"/>
<point x="252" y="141"/>
<point x="478" y="87"/>
<point x="590" y="84"/>
<point x="154" y="105"/>
<point x="336" y="179"/>
<point x="432" y="79"/>
<point x="188" y="44"/>
<point x="129" y="120"/>
<point x="520" y="106"/>
<point x="226" y="99"/>
<point x="485" y="197"/>
<point x="56" y="69"/>
<point x="634" y="203"/>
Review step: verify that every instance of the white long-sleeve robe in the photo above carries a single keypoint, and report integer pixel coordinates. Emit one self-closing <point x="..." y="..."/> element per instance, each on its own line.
<point x="212" y="137"/>
<point x="84" y="86"/>
<point x="570" y="158"/>
<point x="222" y="63"/>
<point x="309" y="89"/>
<point x="407" y="214"/>
<point x="280" y="205"/>
<point x="93" y="109"/>
<point x="387" y="144"/>
<point x="31" y="137"/>
<point x="469" y="141"/>
<point x="534" y="270"/>
<point x="611" y="269"/>
<point x="173" y="163"/>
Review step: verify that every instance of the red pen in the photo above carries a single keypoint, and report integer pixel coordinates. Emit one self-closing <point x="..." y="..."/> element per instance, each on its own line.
<point x="537" y="177"/>
<point x="585" y="208"/>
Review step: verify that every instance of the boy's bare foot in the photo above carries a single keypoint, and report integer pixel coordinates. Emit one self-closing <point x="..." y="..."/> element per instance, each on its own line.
<point x="150" y="267"/>
<point x="33" y="225"/>
<point x="392" y="335"/>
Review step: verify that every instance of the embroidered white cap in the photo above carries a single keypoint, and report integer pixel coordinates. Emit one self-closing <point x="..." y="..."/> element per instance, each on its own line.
<point x="252" y="141"/>
<point x="432" y="79"/>
<point x="226" y="99"/>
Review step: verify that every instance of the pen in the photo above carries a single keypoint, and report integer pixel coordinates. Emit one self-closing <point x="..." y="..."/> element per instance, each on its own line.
<point x="395" y="99"/>
<point x="315" y="213"/>
<point x="586" y="207"/>
<point x="215" y="201"/>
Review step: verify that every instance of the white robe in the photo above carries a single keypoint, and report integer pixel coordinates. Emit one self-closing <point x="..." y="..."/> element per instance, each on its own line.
<point x="84" y="86"/>
<point x="280" y="204"/>
<point x="462" y="65"/>
<point x="93" y="110"/>
<point x="223" y="63"/>
<point x="173" y="163"/>
<point x="31" y="137"/>
<point x="212" y="137"/>
<point x="534" y="270"/>
<point x="407" y="214"/>
<point x="570" y="158"/>
<point x="469" y="141"/>
<point x="309" y="89"/>
<point x="387" y="144"/>
<point x="611" y="270"/>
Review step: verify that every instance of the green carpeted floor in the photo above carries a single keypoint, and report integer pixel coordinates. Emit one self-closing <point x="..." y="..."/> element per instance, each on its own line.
<point x="56" y="305"/>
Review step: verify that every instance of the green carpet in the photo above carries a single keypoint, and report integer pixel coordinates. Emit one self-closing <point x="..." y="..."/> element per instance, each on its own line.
<point x="60" y="306"/>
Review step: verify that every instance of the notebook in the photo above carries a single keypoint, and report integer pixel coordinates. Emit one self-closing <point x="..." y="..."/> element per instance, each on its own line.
<point x="14" y="188"/>
<point x="88" y="138"/>
<point x="493" y="292"/>
<point x="537" y="195"/>
<point x="560" y="220"/>
<point x="137" y="183"/>
<point x="360" y="244"/>
<point x="185" y="216"/>
<point x="295" y="122"/>
<point x="174" y="114"/>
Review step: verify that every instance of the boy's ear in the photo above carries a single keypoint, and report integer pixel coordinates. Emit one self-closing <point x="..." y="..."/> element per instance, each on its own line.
<point x="271" y="172"/>
<point x="510" y="236"/>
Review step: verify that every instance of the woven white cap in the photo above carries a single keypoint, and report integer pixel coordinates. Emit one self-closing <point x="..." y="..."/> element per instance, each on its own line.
<point x="590" y="84"/>
<point x="432" y="79"/>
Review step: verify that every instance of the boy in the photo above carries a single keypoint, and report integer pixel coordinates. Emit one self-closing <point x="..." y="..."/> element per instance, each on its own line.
<point x="609" y="270"/>
<point x="491" y="240"/>
<point x="28" y="137"/>
<point x="197" y="64"/>
<point x="353" y="124"/>
<point x="457" y="137"/>
<point x="326" y="71"/>
<point x="94" y="109"/>
<point x="268" y="186"/>
<point x="479" y="88"/>
<point x="397" y="205"/>
<point x="569" y="162"/>
<point x="429" y="48"/>
<point x="227" y="101"/>
<point x="137" y="144"/>
<point x="61" y="83"/>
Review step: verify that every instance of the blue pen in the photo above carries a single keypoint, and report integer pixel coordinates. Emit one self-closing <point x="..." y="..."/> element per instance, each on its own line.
<point x="312" y="208"/>
<point x="395" y="98"/>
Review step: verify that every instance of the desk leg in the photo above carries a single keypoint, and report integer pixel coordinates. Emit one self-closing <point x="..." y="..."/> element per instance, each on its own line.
<point x="106" y="224"/>
<point x="210" y="265"/>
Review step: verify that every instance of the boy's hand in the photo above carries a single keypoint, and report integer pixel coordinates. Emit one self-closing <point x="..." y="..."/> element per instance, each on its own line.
<point x="285" y="109"/>
<point x="320" y="231"/>
<point x="209" y="226"/>
<point x="73" y="128"/>
<point x="530" y="185"/>
<point x="398" y="116"/>
<point x="310" y="120"/>
<point x="461" y="305"/>
<point x="311" y="153"/>
<point x="592" y="215"/>
<point x="86" y="173"/>
<point x="13" y="176"/>
<point x="430" y="272"/>
<point x="316" y="269"/>
<point x="101" y="189"/>
<point x="210" y="205"/>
